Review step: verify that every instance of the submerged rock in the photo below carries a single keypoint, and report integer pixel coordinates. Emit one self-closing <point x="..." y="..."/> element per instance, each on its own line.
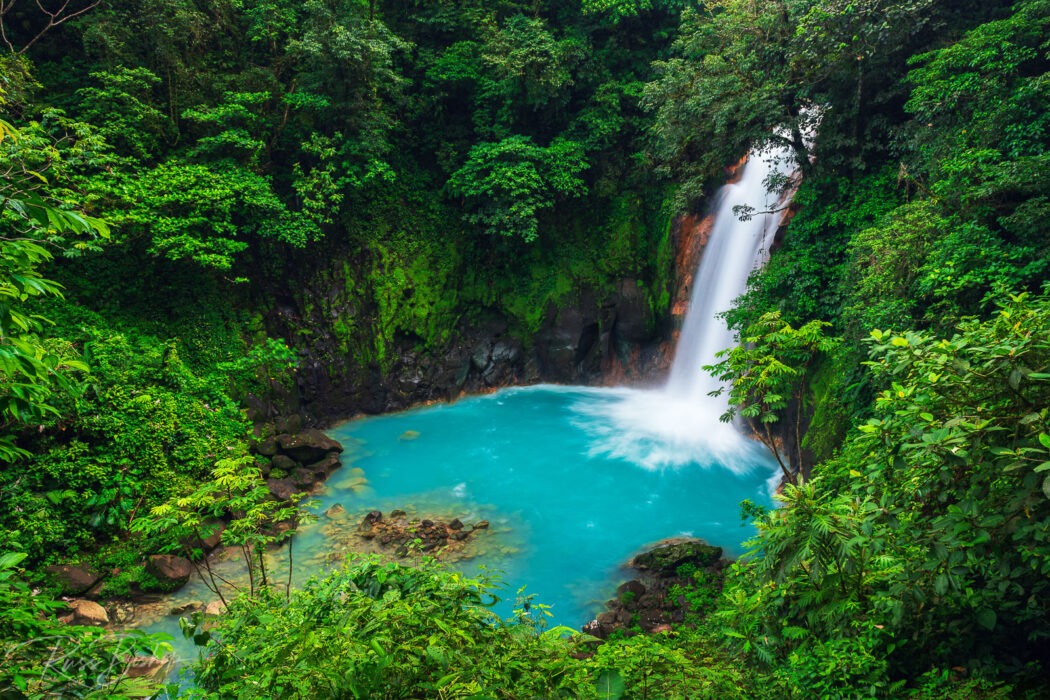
<point x="188" y="607"/>
<point x="404" y="537"/>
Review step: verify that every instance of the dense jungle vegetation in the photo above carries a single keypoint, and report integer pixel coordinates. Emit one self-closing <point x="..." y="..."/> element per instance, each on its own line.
<point x="174" y="175"/>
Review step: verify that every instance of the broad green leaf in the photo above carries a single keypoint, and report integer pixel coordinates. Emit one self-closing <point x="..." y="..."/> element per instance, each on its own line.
<point x="610" y="685"/>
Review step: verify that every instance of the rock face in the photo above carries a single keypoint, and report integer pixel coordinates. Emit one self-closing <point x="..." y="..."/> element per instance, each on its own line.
<point x="589" y="336"/>
<point x="170" y="570"/>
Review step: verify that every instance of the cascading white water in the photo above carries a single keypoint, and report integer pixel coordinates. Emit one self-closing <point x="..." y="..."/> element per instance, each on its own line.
<point x="680" y="423"/>
<point x="735" y="248"/>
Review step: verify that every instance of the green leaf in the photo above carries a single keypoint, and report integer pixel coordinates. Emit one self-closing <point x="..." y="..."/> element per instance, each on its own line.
<point x="11" y="559"/>
<point x="986" y="618"/>
<point x="610" y="685"/>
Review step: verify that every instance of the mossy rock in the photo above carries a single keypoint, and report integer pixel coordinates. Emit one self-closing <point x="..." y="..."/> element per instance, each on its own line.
<point x="664" y="560"/>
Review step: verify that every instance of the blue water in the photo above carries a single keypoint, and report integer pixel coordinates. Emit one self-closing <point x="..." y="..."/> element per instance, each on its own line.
<point x="574" y="481"/>
<point x="533" y="462"/>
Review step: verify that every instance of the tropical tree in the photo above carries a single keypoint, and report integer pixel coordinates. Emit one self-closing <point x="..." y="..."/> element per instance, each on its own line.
<point x="766" y="376"/>
<point x="31" y="222"/>
<point x="507" y="184"/>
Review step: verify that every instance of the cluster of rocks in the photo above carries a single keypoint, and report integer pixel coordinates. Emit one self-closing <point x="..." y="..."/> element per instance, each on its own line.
<point x="646" y="601"/>
<point x="399" y="534"/>
<point x="94" y="613"/>
<point x="83" y="586"/>
<point x="294" y="459"/>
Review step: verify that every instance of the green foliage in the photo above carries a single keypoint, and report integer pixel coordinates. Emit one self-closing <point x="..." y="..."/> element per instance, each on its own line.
<point x="804" y="279"/>
<point x="41" y="657"/>
<point x="508" y="183"/>
<point x="32" y="370"/>
<point x="124" y="107"/>
<point x="922" y="545"/>
<point x="207" y="214"/>
<point x="267" y="366"/>
<point x="145" y="427"/>
<point x="379" y="630"/>
<point x="988" y="96"/>
<point x="415" y="291"/>
<point x="766" y="374"/>
<point x="236" y="490"/>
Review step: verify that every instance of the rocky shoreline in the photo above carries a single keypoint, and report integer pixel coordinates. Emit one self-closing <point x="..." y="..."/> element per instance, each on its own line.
<point x="654" y="598"/>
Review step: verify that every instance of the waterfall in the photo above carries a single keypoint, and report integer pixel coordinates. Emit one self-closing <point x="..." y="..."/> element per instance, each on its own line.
<point x="679" y="423"/>
<point x="735" y="248"/>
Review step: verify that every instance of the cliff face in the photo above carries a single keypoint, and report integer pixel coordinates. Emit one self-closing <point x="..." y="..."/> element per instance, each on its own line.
<point x="355" y="357"/>
<point x="598" y="337"/>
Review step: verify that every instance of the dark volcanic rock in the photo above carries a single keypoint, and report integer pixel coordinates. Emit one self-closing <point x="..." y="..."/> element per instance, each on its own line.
<point x="266" y="448"/>
<point x="634" y="588"/>
<point x="657" y="600"/>
<point x="306" y="478"/>
<point x="405" y="536"/>
<point x="74" y="579"/>
<point x="326" y="466"/>
<point x="634" y="316"/>
<point x="283" y="489"/>
<point x="665" y="559"/>
<point x="284" y="463"/>
<point x="170" y="569"/>
<point x="289" y="424"/>
<point x="307" y="446"/>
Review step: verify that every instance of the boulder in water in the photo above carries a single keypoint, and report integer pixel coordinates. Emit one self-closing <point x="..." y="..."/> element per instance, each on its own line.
<point x="214" y="609"/>
<point x="187" y="607"/>
<point x="328" y="464"/>
<point x="665" y="559"/>
<point x="635" y="589"/>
